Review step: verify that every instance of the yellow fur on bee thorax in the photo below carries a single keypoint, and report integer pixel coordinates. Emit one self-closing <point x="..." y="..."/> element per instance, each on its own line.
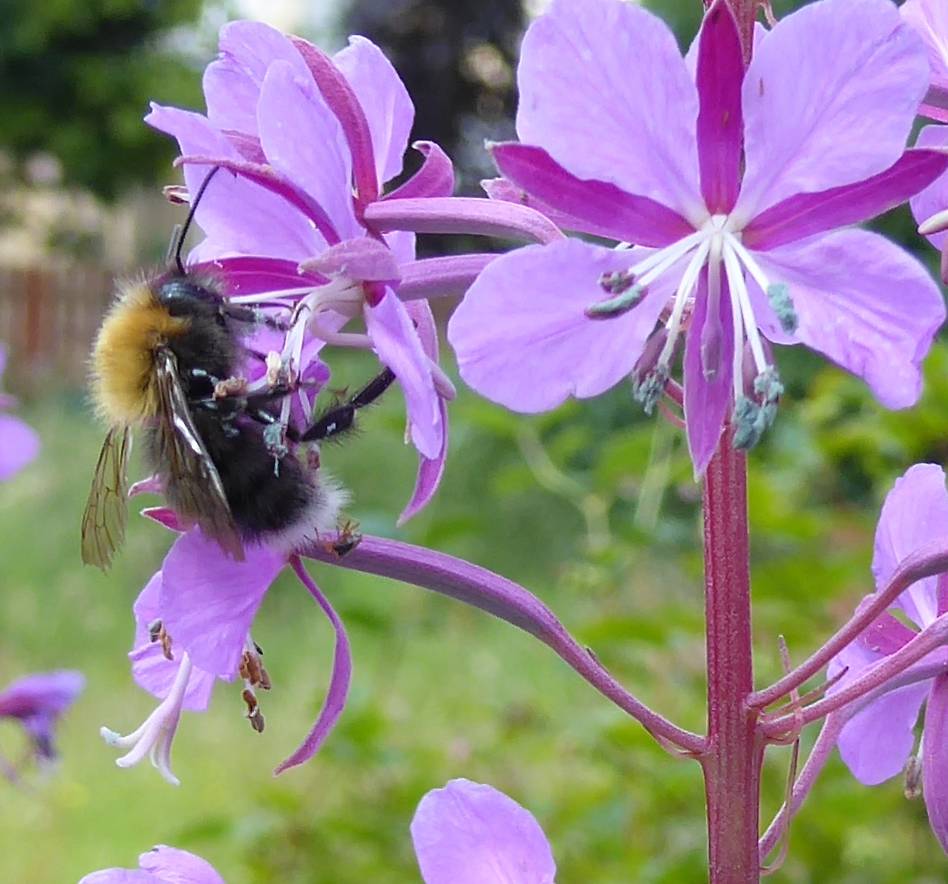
<point x="123" y="381"/>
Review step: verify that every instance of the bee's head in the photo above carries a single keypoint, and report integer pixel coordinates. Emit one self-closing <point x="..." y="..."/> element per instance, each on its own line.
<point x="183" y="293"/>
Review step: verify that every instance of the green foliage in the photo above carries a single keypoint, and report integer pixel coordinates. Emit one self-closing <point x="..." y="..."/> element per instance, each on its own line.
<point x="78" y="77"/>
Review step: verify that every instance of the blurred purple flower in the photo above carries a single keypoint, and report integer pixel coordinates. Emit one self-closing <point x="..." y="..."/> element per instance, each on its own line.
<point x="160" y="865"/>
<point x="309" y="138"/>
<point x="734" y="186"/>
<point x="879" y="739"/>
<point x="468" y="833"/>
<point x="37" y="702"/>
<point x="19" y="443"/>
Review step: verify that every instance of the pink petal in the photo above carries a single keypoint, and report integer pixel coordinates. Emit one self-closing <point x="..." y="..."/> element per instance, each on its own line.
<point x="434" y="178"/>
<point x="521" y="334"/>
<point x="430" y="473"/>
<point x="238" y="215"/>
<point x="208" y="601"/>
<point x="151" y="670"/>
<point x="807" y="214"/>
<point x="232" y="82"/>
<point x="929" y="18"/>
<point x="864" y="303"/>
<point x="304" y="142"/>
<point x="364" y="259"/>
<point x="19" y="445"/>
<point x="915" y="513"/>
<point x="604" y="90"/>
<point x="178" y="866"/>
<point x="877" y="741"/>
<point x="119" y="876"/>
<point x="720" y="72"/>
<point x="384" y="99"/>
<point x="934" y="198"/>
<point x="935" y="760"/>
<point x="397" y="344"/>
<point x="339" y="678"/>
<point x="598" y="207"/>
<point x="707" y="401"/>
<point x="829" y="99"/>
<point x="468" y="833"/>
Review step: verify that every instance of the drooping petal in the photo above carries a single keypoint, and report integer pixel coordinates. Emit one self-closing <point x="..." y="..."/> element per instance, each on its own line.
<point x="935" y="759"/>
<point x="19" y="445"/>
<point x="364" y="259"/>
<point x="707" y="399"/>
<point x="598" y="207"/>
<point x="398" y="346"/>
<point x="238" y="216"/>
<point x="864" y="303"/>
<point x="434" y="178"/>
<point x="915" y="513"/>
<point x="930" y="20"/>
<point x="604" y="90"/>
<point x="468" y="833"/>
<point x="829" y="99"/>
<point x="807" y="214"/>
<point x="720" y="71"/>
<point x="207" y="600"/>
<point x="151" y="670"/>
<point x="174" y="866"/>
<point x="303" y="141"/>
<point x="339" y="678"/>
<point x="385" y="100"/>
<point x="522" y="336"/>
<point x="232" y="82"/>
<point x="934" y="198"/>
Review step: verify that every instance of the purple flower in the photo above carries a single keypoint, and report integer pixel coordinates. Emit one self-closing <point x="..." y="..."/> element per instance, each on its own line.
<point x="468" y="833"/>
<point x="160" y="865"/>
<point x="930" y="19"/>
<point x="879" y="739"/>
<point x="734" y="185"/>
<point x="193" y="627"/>
<point x="309" y="138"/>
<point x="38" y="701"/>
<point x="19" y="443"/>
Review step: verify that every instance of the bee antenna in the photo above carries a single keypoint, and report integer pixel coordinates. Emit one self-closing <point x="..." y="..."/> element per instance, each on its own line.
<point x="182" y="231"/>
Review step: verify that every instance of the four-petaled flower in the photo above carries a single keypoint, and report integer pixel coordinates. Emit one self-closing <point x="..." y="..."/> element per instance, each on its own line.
<point x="733" y="184"/>
<point x="37" y="702"/>
<point x="878" y="740"/>
<point x="19" y="443"/>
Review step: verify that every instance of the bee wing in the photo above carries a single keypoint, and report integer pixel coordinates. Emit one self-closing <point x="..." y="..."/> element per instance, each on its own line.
<point x="199" y="492"/>
<point x="103" y="522"/>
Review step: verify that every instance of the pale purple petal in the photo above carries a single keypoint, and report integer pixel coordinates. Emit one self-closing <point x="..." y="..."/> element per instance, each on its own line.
<point x="807" y="214"/>
<point x="150" y="669"/>
<point x="930" y="20"/>
<point x="363" y="259"/>
<point x="604" y="90"/>
<point x="339" y="678"/>
<point x="829" y="99"/>
<point x="208" y="600"/>
<point x="596" y="206"/>
<point x="915" y="513"/>
<point x="119" y="876"/>
<point x="45" y="694"/>
<point x="19" y="445"/>
<point x="304" y="142"/>
<point x="934" y="198"/>
<point x="720" y="71"/>
<point x="430" y="473"/>
<point x="397" y="344"/>
<point x="468" y="833"/>
<point x="877" y="741"/>
<point x="385" y="100"/>
<point x="523" y="339"/>
<point x="865" y="304"/>
<point x="238" y="216"/>
<point x="253" y="275"/>
<point x="935" y="759"/>
<point x="707" y="400"/>
<point x="178" y="866"/>
<point x="447" y="276"/>
<point x="434" y="178"/>
<point x="232" y="82"/>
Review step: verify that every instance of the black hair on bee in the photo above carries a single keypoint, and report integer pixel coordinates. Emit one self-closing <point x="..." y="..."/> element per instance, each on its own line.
<point x="167" y="348"/>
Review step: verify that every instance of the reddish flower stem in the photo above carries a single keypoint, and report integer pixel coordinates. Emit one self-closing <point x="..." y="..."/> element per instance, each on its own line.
<point x="734" y="754"/>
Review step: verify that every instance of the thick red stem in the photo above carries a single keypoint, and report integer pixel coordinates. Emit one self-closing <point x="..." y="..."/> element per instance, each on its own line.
<point x="734" y="753"/>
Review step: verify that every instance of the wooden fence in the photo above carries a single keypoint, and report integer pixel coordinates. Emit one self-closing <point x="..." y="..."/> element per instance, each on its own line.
<point x="48" y="319"/>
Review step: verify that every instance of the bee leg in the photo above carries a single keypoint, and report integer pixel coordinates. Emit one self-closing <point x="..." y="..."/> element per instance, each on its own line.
<point x="252" y="316"/>
<point x="340" y="418"/>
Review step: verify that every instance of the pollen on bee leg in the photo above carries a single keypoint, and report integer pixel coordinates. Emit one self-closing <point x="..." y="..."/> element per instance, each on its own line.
<point x="254" y="675"/>
<point x="233" y="386"/>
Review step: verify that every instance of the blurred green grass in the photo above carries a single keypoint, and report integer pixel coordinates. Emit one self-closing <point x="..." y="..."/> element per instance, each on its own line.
<point x="442" y="691"/>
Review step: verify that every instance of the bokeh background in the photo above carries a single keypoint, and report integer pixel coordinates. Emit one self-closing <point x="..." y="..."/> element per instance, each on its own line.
<point x="592" y="507"/>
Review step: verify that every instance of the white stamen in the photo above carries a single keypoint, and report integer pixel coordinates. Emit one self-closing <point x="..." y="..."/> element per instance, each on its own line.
<point x="688" y="282"/>
<point x="265" y="297"/>
<point x="653" y="266"/>
<point x="748" y="260"/>
<point x="938" y="223"/>
<point x="741" y="300"/>
<point x="156" y="734"/>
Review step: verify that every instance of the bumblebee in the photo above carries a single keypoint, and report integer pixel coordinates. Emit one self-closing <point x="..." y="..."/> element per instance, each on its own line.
<point x="167" y="361"/>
